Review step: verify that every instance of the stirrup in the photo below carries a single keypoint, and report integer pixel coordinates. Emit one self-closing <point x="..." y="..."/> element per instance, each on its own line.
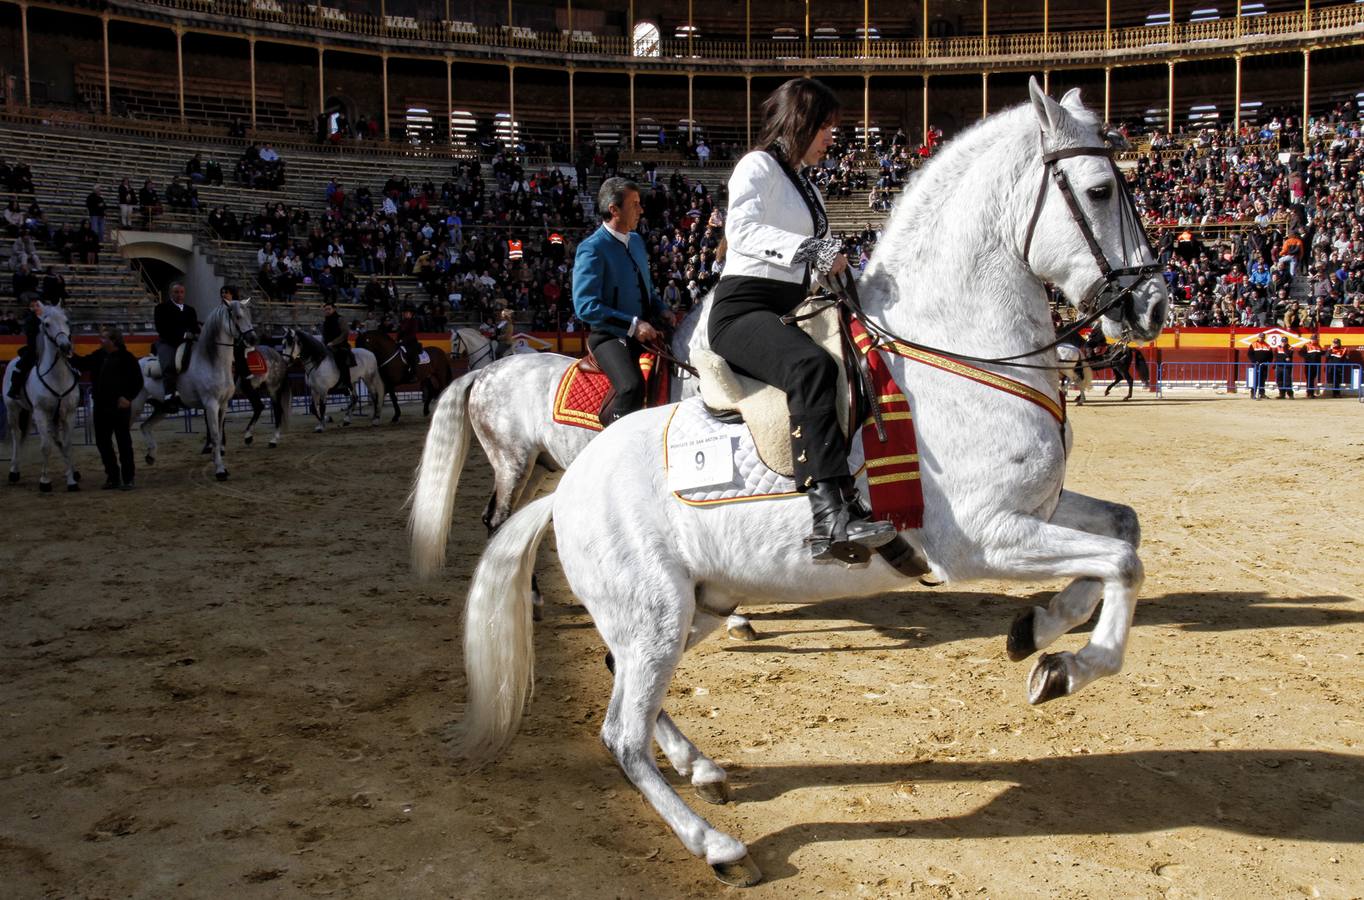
<point x="825" y="550"/>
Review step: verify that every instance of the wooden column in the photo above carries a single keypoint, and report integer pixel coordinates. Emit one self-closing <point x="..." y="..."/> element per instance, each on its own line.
<point x="180" y="68"/>
<point x="925" y="108"/>
<point x="1172" y="21"/>
<point x="108" y="88"/>
<point x="1170" y="98"/>
<point x="984" y="94"/>
<point x="807" y="28"/>
<point x="1238" y="19"/>
<point x="634" y="130"/>
<point x="449" y="94"/>
<point x="1108" y="24"/>
<point x="321" y="79"/>
<point x="630" y="36"/>
<point x="691" y="31"/>
<point x="511" y="98"/>
<point x="748" y="109"/>
<point x="1236" y="116"/>
<point x="23" y="29"/>
<point x="1108" y="92"/>
<point x="748" y="30"/>
<point x="572" y="119"/>
<point x="866" y="26"/>
<point x="925" y="36"/>
<point x="984" y="26"/>
<point x="1306" y="83"/>
<point x="1046" y="26"/>
<point x="1046" y="81"/>
<point x="384" y="60"/>
<point x="251" y="64"/>
<point x="691" y="116"/>
<point x="866" y="109"/>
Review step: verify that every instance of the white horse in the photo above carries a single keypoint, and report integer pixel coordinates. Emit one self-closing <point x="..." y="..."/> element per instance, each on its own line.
<point x="480" y="350"/>
<point x="321" y="374"/>
<point x="275" y="382"/>
<point x="962" y="266"/>
<point x="207" y="382"/>
<point x="509" y="406"/>
<point x="49" y="400"/>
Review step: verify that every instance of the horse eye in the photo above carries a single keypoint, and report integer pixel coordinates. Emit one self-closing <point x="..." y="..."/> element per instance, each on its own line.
<point x="1101" y="192"/>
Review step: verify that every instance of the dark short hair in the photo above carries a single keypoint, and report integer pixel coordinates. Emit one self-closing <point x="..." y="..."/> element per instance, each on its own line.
<point x="113" y="334"/>
<point x="612" y="193"/>
<point x="793" y="115"/>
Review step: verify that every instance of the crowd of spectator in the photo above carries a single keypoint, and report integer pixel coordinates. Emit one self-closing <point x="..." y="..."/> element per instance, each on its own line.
<point x="1253" y="228"/>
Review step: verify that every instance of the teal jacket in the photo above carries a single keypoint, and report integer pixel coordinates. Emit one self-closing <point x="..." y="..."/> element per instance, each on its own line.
<point x="606" y="287"/>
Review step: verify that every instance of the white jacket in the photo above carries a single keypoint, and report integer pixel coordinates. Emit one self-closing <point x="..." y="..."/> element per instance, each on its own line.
<point x="767" y="221"/>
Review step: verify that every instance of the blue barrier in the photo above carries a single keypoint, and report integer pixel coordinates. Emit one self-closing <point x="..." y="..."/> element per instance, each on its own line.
<point x="1336" y="378"/>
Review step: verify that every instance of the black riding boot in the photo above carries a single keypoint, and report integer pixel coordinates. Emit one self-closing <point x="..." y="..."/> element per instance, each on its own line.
<point x="843" y="530"/>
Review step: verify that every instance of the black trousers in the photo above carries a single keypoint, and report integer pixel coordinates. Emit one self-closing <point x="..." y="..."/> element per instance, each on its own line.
<point x="344" y="360"/>
<point x="619" y="359"/>
<point x="1259" y="376"/>
<point x="1283" y="374"/>
<point x="747" y="331"/>
<point x="114" y="425"/>
<point x="1313" y="370"/>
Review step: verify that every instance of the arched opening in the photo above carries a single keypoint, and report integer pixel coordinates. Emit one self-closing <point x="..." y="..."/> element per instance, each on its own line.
<point x="645" y="39"/>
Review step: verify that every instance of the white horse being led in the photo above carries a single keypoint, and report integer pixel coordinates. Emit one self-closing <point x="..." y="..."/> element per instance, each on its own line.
<point x="207" y="382"/>
<point x="49" y="400"/>
<point x="276" y="385"/>
<point x="321" y="374"/>
<point x="962" y="266"/>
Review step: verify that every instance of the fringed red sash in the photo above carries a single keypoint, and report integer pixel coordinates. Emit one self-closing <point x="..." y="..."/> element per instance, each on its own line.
<point x="897" y="496"/>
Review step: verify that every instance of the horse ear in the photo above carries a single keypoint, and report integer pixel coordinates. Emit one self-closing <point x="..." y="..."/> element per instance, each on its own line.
<point x="1050" y="115"/>
<point x="1072" y="100"/>
<point x="246" y="302"/>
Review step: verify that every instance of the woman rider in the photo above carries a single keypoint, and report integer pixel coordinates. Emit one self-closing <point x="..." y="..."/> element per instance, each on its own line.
<point x="777" y="231"/>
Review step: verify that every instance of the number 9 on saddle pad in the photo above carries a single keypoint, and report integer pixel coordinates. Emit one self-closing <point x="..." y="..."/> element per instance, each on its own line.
<point x="700" y="462"/>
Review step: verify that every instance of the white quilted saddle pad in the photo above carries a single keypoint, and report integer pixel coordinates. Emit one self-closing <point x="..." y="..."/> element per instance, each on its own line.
<point x="752" y="478"/>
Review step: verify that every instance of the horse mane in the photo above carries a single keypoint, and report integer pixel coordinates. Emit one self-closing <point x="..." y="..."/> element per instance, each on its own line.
<point x="214" y="323"/>
<point x="311" y="344"/>
<point x="997" y="159"/>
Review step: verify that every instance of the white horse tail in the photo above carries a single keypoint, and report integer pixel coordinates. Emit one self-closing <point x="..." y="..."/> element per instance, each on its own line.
<point x="433" y="492"/>
<point x="499" y="653"/>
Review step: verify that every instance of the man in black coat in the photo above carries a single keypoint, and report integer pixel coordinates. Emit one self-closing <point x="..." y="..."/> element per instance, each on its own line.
<point x="336" y="336"/>
<point x="117" y="382"/>
<point x="28" y="354"/>
<point x="176" y="322"/>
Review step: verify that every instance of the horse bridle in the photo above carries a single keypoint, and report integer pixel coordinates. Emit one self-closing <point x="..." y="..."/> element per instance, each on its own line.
<point x="62" y="355"/>
<point x="1102" y="296"/>
<point x="459" y="343"/>
<point x="1132" y="235"/>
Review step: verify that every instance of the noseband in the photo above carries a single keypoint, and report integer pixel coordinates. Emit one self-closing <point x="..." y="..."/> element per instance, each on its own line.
<point x="1108" y="286"/>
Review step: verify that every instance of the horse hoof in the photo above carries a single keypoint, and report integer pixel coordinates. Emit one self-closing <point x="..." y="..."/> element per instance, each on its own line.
<point x="345" y="423"/>
<point x="72" y="488"/>
<point x="247" y="440"/>
<point x="1021" y="644"/>
<point x="716" y="792"/>
<point x="273" y="444"/>
<point x="741" y="873"/>
<point x="742" y="632"/>
<point x="317" y="430"/>
<point x="930" y="581"/>
<point x="537" y="611"/>
<point x="1048" y="680"/>
<point x="221" y="476"/>
<point x="13" y="477"/>
<point x="149" y="459"/>
<point x="76" y="477"/>
<point x="44" y="487"/>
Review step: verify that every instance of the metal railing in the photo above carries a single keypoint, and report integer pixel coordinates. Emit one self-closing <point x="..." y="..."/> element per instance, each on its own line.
<point x="1327" y="379"/>
<point x="562" y="41"/>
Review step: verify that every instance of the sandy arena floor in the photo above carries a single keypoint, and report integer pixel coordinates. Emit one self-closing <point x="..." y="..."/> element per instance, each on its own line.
<point x="235" y="690"/>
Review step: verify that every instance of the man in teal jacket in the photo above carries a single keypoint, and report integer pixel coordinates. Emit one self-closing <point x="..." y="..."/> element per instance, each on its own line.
<point x="614" y="295"/>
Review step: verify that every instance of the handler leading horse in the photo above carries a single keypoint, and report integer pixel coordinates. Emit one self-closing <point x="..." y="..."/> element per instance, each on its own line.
<point x="963" y="264"/>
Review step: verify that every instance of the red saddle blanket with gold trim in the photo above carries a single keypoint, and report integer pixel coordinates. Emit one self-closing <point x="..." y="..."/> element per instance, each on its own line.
<point x="581" y="395"/>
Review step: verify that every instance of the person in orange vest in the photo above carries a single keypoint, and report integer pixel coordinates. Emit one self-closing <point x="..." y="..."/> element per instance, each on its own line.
<point x="1312" y="354"/>
<point x="514" y="249"/>
<point x="1260" y="355"/>
<point x="1335" y="366"/>
<point x="1283" y="364"/>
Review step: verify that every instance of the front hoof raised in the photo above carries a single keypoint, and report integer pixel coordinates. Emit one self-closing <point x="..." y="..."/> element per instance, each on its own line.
<point x="716" y="792"/>
<point x="743" y="632"/>
<point x="741" y="873"/>
<point x="1050" y="678"/>
<point x="221" y="476"/>
<point x="1021" y="644"/>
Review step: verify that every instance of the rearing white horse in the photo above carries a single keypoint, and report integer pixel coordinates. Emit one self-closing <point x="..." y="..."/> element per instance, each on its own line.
<point x="49" y="400"/>
<point x="962" y="267"/>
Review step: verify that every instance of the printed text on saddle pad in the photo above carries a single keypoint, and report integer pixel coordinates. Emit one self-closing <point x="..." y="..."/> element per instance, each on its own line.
<point x="578" y="401"/>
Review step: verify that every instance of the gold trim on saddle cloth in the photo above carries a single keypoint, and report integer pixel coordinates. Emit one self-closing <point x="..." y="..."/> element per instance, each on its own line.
<point x="957" y="367"/>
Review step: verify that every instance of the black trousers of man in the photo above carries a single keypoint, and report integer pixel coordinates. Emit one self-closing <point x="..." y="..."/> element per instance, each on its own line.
<point x="1312" y="369"/>
<point x="619" y="358"/>
<point x="114" y="426"/>
<point x="1283" y="374"/>
<point x="747" y="331"/>
<point x="344" y="360"/>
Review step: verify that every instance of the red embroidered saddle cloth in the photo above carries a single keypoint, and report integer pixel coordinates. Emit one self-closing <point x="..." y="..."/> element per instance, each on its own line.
<point x="255" y="363"/>
<point x="584" y="392"/>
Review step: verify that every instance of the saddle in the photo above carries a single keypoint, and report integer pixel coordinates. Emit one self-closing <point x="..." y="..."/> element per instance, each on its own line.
<point x="732" y="397"/>
<point x="182" y="355"/>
